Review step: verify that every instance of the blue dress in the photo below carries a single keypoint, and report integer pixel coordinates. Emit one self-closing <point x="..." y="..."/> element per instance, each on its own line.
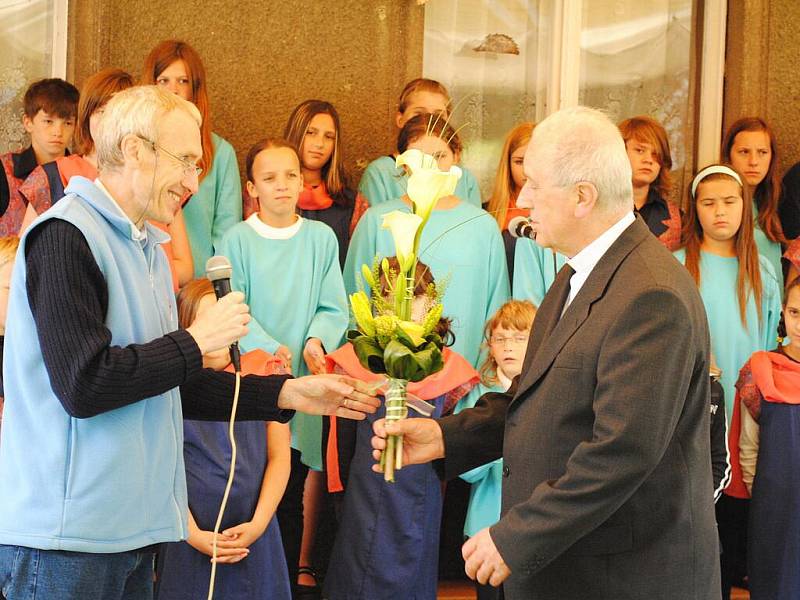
<point x="774" y="532"/>
<point x="387" y="547"/>
<point x="183" y="571"/>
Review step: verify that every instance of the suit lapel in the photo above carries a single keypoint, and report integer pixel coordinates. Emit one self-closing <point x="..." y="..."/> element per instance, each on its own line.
<point x="547" y="341"/>
<point x="546" y="317"/>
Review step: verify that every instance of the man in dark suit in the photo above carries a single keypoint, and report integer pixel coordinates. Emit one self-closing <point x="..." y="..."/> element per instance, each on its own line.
<point x="607" y="490"/>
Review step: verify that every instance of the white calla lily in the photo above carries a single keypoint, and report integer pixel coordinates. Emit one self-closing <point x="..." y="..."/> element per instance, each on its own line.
<point x="426" y="183"/>
<point x="403" y="227"/>
<point x="416" y="160"/>
<point x="426" y="187"/>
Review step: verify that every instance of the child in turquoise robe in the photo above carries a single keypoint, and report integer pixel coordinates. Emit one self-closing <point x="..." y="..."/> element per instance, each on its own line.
<point x="722" y="216"/>
<point x="288" y="269"/>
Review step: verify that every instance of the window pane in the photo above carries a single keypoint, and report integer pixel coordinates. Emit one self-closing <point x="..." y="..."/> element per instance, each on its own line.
<point x="635" y="60"/>
<point x="26" y="40"/>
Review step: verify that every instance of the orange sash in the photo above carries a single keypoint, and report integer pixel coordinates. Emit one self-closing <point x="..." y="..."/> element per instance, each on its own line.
<point x="314" y="198"/>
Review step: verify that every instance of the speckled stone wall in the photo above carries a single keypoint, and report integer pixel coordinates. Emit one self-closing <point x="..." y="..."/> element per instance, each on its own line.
<point x="264" y="57"/>
<point x="762" y="75"/>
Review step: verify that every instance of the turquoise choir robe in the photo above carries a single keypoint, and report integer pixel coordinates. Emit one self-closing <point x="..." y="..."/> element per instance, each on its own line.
<point x="486" y="481"/>
<point x="216" y="207"/>
<point x="383" y="181"/>
<point x="534" y="271"/>
<point x="470" y="257"/>
<point x="732" y="342"/>
<point x="770" y="250"/>
<point x="295" y="292"/>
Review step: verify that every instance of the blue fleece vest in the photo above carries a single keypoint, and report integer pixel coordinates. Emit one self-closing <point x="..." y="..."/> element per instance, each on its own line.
<point x="116" y="481"/>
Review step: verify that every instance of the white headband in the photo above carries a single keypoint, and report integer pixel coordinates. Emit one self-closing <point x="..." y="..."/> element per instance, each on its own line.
<point x="722" y="169"/>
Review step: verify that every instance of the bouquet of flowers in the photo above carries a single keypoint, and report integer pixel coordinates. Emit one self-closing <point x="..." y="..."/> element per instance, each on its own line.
<point x="387" y="340"/>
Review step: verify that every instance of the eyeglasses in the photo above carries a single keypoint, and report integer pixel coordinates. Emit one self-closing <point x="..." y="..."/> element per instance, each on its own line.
<point x="516" y="340"/>
<point x="189" y="168"/>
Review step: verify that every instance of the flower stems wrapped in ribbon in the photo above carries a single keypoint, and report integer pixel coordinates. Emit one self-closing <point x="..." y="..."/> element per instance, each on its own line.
<point x="387" y="340"/>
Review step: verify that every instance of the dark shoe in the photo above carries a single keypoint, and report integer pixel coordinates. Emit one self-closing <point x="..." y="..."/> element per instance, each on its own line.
<point x="307" y="592"/>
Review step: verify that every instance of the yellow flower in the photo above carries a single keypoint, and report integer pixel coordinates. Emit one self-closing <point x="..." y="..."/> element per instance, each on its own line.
<point x="403" y="227"/>
<point x="426" y="183"/>
<point x="362" y="313"/>
<point x="413" y="330"/>
<point x="366" y="273"/>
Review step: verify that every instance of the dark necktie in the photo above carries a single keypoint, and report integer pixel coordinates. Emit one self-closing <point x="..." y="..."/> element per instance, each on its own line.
<point x="561" y="287"/>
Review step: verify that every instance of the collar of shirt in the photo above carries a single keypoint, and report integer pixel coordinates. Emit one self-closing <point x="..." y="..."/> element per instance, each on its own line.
<point x="586" y="260"/>
<point x="503" y="380"/>
<point x="24" y="163"/>
<point x="274" y="233"/>
<point x="140" y="235"/>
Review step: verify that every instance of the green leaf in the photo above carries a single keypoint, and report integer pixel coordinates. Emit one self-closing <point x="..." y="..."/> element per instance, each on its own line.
<point x="369" y="352"/>
<point x="403" y="363"/>
<point x="404" y="338"/>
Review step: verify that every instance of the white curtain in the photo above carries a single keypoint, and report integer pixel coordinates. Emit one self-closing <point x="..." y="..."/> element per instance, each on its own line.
<point x="635" y="57"/>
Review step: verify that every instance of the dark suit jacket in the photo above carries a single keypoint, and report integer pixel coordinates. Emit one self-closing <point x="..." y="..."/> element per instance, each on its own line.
<point x="605" y="438"/>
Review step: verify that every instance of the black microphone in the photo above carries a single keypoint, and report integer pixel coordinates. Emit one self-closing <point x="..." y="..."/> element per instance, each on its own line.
<point x="520" y="227"/>
<point x="219" y="271"/>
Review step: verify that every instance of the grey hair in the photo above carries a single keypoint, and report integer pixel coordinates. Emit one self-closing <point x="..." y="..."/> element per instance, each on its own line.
<point x="583" y="144"/>
<point x="135" y="111"/>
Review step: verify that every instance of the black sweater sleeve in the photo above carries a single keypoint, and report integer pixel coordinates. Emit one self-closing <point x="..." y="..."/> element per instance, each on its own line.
<point x="68" y="296"/>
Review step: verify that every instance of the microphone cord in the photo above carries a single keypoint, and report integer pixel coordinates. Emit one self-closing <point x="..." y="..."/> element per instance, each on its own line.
<point x="227" y="487"/>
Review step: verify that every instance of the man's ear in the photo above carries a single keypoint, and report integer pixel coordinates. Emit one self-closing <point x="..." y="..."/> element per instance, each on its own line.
<point x="132" y="149"/>
<point x="587" y="198"/>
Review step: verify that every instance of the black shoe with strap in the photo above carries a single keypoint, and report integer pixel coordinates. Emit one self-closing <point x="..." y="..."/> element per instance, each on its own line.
<point x="307" y="592"/>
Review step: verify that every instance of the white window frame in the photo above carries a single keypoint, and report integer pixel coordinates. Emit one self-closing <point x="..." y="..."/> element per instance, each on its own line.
<point x="60" y="24"/>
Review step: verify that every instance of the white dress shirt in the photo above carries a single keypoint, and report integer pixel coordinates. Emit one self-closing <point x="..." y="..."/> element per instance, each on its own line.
<point x="586" y="260"/>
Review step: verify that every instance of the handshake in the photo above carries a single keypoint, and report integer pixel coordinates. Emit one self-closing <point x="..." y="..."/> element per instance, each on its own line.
<point x="225" y="323"/>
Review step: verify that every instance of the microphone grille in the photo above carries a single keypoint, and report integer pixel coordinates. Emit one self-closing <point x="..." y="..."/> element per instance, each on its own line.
<point x="515" y="224"/>
<point x="218" y="267"/>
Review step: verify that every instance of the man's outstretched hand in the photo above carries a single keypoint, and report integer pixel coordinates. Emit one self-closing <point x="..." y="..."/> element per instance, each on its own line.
<point x="422" y="440"/>
<point x="328" y="395"/>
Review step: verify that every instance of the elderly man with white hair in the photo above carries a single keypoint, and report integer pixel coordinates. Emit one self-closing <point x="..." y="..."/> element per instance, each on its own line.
<point x="607" y="489"/>
<point x="98" y="376"/>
